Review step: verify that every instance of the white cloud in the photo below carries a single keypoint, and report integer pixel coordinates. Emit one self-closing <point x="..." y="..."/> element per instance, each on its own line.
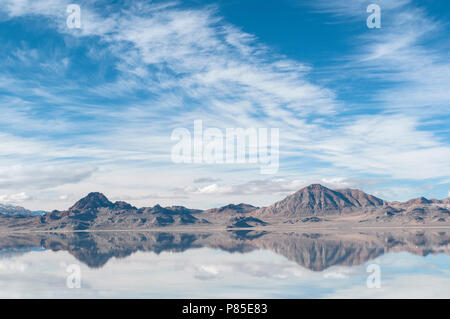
<point x="353" y="8"/>
<point x="14" y="198"/>
<point x="386" y="145"/>
<point x="206" y="180"/>
<point x="273" y="186"/>
<point x="16" y="8"/>
<point x="212" y="189"/>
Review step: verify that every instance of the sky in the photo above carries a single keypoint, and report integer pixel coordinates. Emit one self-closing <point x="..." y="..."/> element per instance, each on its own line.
<point x="94" y="108"/>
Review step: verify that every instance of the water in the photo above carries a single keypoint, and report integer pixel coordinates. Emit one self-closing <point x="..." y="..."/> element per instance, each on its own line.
<point x="411" y="264"/>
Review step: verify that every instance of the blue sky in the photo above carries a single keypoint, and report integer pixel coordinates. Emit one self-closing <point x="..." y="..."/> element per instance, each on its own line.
<point x="92" y="109"/>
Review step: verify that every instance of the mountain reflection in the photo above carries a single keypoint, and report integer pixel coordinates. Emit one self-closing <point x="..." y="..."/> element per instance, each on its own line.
<point x="315" y="251"/>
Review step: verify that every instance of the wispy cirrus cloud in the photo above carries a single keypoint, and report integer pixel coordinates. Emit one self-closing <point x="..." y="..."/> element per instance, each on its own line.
<point x="407" y="55"/>
<point x="387" y="145"/>
<point x="353" y="8"/>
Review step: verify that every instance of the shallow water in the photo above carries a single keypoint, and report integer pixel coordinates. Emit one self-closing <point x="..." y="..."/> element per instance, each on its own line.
<point x="413" y="264"/>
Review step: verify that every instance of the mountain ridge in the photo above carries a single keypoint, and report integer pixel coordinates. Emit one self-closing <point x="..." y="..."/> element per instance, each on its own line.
<point x="6" y="209"/>
<point x="312" y="204"/>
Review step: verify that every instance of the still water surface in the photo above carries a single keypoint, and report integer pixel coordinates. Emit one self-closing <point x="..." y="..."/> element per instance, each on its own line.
<point x="412" y="264"/>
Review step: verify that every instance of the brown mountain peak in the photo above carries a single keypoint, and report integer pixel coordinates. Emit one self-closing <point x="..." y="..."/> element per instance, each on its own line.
<point x="316" y="199"/>
<point x="419" y="200"/>
<point x="92" y="201"/>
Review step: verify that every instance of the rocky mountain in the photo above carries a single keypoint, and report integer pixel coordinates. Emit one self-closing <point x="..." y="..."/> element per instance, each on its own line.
<point x="93" y="201"/>
<point x="182" y="209"/>
<point x="418" y="210"/>
<point x="246" y="222"/>
<point x="419" y="201"/>
<point x="233" y="209"/>
<point x="320" y="200"/>
<point x="17" y="210"/>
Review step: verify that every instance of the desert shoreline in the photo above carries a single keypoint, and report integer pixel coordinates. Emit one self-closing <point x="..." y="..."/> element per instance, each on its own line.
<point x="224" y="229"/>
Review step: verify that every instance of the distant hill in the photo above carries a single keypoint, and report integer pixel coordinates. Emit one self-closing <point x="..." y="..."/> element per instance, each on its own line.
<point x="233" y="209"/>
<point x="17" y="210"/>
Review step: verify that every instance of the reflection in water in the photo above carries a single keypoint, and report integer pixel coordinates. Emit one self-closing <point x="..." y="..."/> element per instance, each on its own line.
<point x="250" y="263"/>
<point x="315" y="251"/>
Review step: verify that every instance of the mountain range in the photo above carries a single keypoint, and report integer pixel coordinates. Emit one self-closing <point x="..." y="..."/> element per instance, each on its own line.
<point x="311" y="204"/>
<point x="315" y="250"/>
